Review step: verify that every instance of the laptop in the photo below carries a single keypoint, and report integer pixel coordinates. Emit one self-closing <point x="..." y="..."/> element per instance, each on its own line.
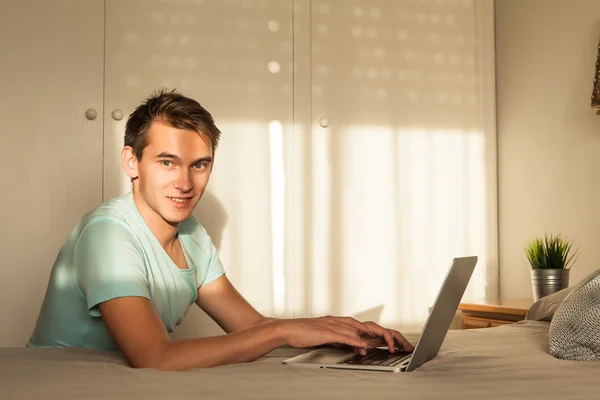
<point x="429" y="342"/>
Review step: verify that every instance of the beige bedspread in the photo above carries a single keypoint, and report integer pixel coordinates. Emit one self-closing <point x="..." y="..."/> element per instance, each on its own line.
<point x="496" y="363"/>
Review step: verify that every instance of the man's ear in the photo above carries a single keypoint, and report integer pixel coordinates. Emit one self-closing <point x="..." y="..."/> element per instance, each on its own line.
<point x="129" y="162"/>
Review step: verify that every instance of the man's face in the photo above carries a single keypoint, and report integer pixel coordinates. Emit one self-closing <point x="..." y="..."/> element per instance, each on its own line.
<point x="174" y="171"/>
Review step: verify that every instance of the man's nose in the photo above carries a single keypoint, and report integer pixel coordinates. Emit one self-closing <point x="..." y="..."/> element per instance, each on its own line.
<point x="184" y="182"/>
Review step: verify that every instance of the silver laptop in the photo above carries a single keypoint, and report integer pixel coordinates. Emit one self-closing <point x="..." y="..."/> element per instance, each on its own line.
<point x="429" y="342"/>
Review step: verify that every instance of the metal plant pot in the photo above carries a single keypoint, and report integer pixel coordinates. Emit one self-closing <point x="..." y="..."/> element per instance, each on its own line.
<point x="544" y="282"/>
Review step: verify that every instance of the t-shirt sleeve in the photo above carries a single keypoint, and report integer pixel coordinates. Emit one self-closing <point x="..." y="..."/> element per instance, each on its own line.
<point x="214" y="266"/>
<point x="108" y="265"/>
<point x="203" y="252"/>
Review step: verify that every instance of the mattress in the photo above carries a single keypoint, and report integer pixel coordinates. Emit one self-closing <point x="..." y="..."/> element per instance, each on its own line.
<point x="495" y="363"/>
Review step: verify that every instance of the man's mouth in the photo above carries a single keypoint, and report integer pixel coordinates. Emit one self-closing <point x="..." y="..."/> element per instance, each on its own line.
<point x="180" y="200"/>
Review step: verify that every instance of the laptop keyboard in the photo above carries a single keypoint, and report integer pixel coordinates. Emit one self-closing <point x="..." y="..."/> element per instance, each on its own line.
<point x="378" y="357"/>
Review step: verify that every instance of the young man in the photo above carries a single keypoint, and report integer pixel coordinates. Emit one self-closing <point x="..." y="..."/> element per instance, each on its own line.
<point x="129" y="270"/>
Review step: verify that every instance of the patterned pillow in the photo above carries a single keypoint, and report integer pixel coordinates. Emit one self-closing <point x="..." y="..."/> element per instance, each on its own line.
<point x="575" y="329"/>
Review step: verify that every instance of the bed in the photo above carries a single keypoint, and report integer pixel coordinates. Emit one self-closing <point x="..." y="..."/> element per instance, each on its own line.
<point x="510" y="361"/>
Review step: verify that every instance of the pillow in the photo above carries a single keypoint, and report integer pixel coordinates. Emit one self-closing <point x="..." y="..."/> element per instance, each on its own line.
<point x="545" y="307"/>
<point x="575" y="329"/>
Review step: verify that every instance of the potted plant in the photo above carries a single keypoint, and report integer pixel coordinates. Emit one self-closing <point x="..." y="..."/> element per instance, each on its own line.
<point x="551" y="259"/>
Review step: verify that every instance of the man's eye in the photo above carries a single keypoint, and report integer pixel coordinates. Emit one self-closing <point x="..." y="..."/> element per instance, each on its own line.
<point x="166" y="163"/>
<point x="201" y="167"/>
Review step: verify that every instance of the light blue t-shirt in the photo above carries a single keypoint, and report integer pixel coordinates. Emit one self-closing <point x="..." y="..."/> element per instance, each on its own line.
<point x="112" y="253"/>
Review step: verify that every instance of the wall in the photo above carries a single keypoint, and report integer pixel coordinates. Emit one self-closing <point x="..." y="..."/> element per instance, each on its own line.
<point x="548" y="136"/>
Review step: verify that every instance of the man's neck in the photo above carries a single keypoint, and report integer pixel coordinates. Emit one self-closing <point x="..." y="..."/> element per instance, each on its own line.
<point x="165" y="233"/>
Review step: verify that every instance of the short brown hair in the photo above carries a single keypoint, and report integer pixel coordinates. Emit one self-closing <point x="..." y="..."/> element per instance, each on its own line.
<point x="173" y="109"/>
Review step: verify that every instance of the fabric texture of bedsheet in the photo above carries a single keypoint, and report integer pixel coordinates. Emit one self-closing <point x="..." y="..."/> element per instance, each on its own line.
<point x="511" y="361"/>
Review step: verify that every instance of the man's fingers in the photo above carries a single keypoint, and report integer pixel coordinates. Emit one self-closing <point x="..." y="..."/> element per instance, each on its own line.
<point x="348" y="331"/>
<point x="360" y="350"/>
<point x="402" y="340"/>
<point x="385" y="334"/>
<point x="342" y="333"/>
<point x="389" y="339"/>
<point x="345" y="326"/>
<point x="349" y="340"/>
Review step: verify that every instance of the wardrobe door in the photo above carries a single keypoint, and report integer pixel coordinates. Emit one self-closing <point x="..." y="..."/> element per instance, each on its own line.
<point x="235" y="58"/>
<point x="51" y="139"/>
<point x="403" y="168"/>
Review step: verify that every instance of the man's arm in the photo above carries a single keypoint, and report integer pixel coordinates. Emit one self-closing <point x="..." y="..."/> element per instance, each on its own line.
<point x="227" y="307"/>
<point x="141" y="336"/>
<point x="219" y="298"/>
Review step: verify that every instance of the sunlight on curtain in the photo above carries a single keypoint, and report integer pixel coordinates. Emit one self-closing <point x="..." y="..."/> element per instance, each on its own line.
<point x="388" y="209"/>
<point x="320" y="186"/>
<point x="277" y="215"/>
<point x="392" y="207"/>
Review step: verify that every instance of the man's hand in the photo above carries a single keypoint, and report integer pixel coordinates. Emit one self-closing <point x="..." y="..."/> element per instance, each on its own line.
<point x="338" y="331"/>
<point x="380" y="336"/>
<point x="309" y="332"/>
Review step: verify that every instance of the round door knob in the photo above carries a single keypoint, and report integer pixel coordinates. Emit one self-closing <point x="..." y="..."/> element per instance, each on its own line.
<point x="91" y="114"/>
<point x="117" y="114"/>
<point x="324" y="122"/>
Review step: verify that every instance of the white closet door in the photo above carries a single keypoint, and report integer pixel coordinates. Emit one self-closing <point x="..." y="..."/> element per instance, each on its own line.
<point x="51" y="58"/>
<point x="400" y="157"/>
<point x="235" y="58"/>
